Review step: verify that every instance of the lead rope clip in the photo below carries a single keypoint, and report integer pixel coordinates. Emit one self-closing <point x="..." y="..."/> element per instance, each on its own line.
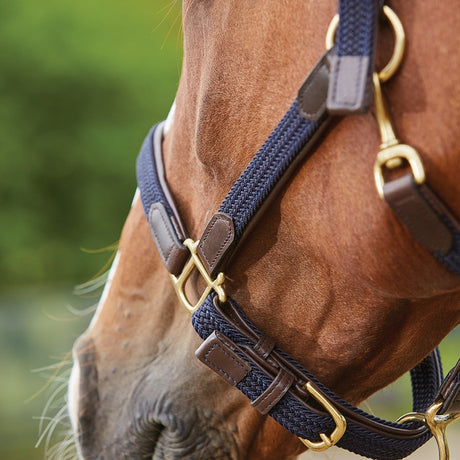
<point x="437" y="423"/>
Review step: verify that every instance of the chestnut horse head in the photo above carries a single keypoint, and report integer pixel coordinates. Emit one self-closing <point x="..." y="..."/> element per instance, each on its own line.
<point x="328" y="271"/>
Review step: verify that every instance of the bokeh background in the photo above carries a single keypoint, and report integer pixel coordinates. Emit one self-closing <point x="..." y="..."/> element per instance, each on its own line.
<point x="81" y="82"/>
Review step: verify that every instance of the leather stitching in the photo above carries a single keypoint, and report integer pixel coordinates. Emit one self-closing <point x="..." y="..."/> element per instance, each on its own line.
<point x="164" y="255"/>
<point x="336" y="81"/>
<point x="308" y="84"/>
<point x="222" y="246"/>
<point x="438" y="206"/>
<point x="425" y="214"/>
<point x="218" y="368"/>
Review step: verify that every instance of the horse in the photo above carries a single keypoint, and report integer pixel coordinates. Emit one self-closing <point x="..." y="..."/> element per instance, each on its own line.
<point x="327" y="271"/>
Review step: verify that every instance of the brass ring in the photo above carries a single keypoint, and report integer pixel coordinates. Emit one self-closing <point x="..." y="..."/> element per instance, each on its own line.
<point x="398" y="51"/>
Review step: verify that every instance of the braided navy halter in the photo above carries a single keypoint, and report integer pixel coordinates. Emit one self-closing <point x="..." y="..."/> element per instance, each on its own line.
<point x="233" y="347"/>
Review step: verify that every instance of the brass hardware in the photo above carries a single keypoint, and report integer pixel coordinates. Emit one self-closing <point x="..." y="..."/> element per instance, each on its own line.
<point x="436" y="423"/>
<point x="339" y="419"/>
<point x="391" y="151"/>
<point x="400" y="41"/>
<point x="180" y="281"/>
<point x="331" y="31"/>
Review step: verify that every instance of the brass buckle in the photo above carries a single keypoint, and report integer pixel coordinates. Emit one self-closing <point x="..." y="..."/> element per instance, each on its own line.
<point x="339" y="419"/>
<point x="436" y="423"/>
<point x="180" y="281"/>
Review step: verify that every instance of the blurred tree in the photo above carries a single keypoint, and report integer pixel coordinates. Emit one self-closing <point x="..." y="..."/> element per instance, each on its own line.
<point x="80" y="85"/>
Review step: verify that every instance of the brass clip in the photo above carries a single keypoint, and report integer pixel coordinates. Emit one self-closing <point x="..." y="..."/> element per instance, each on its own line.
<point x="339" y="419"/>
<point x="391" y="151"/>
<point x="436" y="423"/>
<point x="180" y="281"/>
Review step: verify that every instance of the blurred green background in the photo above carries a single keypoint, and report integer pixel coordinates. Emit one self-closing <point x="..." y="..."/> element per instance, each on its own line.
<point x="80" y="85"/>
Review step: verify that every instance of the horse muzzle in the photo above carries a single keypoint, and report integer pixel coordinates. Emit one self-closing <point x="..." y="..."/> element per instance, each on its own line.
<point x="136" y="413"/>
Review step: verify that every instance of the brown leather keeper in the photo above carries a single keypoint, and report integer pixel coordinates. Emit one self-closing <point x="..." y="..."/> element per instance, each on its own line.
<point x="312" y="94"/>
<point x="410" y="206"/>
<point x="277" y="389"/>
<point x="217" y="353"/>
<point x="264" y="346"/>
<point x="350" y="85"/>
<point x="216" y="242"/>
<point x="171" y="250"/>
<point x="450" y="391"/>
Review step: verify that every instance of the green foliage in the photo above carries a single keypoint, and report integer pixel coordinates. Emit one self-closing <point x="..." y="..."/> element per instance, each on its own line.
<point x="80" y="85"/>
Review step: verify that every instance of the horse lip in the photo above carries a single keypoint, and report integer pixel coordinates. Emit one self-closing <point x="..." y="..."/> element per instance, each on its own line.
<point x="142" y="437"/>
<point x="166" y="431"/>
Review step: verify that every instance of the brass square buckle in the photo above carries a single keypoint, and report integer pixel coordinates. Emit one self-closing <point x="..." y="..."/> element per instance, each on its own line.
<point x="180" y="281"/>
<point x="339" y="419"/>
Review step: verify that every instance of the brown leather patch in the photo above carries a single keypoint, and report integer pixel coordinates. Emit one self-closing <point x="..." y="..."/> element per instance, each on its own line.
<point x="417" y="214"/>
<point x="350" y="85"/>
<point x="312" y="94"/>
<point x="171" y="250"/>
<point x="277" y="389"/>
<point x="216" y="241"/>
<point x="217" y="353"/>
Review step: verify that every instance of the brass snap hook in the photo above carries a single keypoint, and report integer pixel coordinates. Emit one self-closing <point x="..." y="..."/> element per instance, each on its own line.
<point x="392" y="152"/>
<point x="437" y="423"/>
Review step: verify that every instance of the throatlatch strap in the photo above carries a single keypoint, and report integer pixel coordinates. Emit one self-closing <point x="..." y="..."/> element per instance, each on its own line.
<point x="427" y="218"/>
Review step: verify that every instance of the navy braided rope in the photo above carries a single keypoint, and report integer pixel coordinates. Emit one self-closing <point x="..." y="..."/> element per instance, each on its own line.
<point x="267" y="167"/>
<point x="291" y="414"/>
<point x="147" y="176"/>
<point x="356" y="29"/>
<point x="426" y="381"/>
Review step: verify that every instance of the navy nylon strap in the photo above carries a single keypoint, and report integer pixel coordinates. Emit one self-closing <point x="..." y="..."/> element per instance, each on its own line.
<point x="356" y="29"/>
<point x="147" y="175"/>
<point x="305" y="424"/>
<point x="267" y="167"/>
